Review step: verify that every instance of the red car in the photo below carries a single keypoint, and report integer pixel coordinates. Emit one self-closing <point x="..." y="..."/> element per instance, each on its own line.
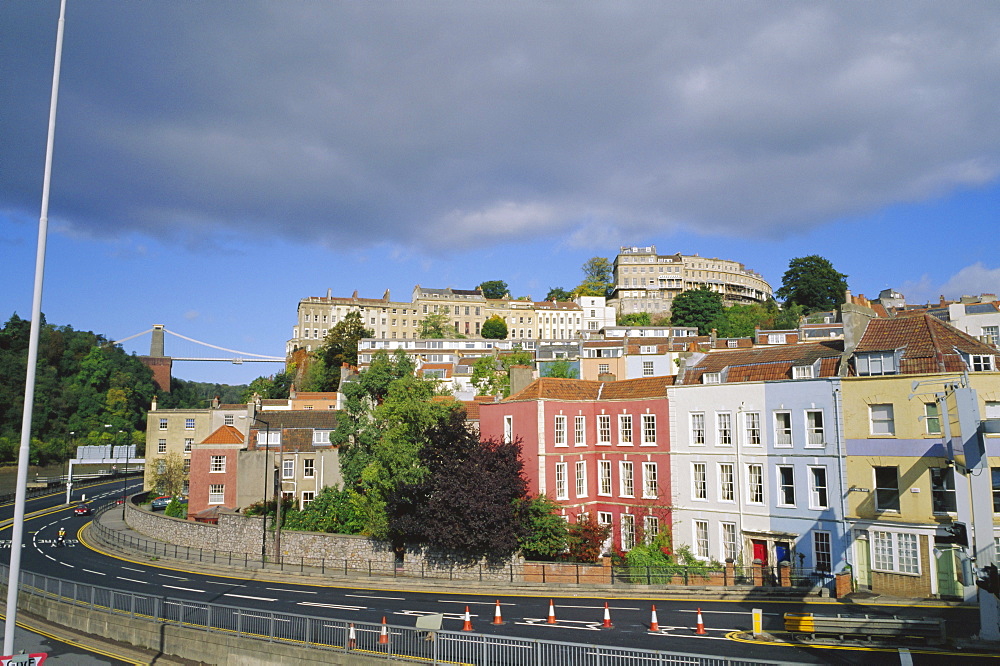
<point x="81" y="510"/>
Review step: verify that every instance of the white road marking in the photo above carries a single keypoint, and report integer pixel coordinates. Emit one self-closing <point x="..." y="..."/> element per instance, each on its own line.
<point x="371" y="596"/>
<point x="625" y="608"/>
<point x="244" y="596"/>
<point x="67" y="564"/>
<point x="281" y="589"/>
<point x="99" y="573"/>
<point x="711" y="638"/>
<point x="719" y="612"/>
<point x="137" y="570"/>
<point x="448" y="616"/>
<point x="472" y="603"/>
<point x="222" y="582"/>
<point x="562" y="624"/>
<point x="185" y="589"/>
<point x="337" y="606"/>
<point x="50" y="557"/>
<point x="131" y="580"/>
<point x="174" y="577"/>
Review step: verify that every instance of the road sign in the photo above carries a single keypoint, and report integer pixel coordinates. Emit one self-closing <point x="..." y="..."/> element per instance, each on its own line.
<point x="33" y="659"/>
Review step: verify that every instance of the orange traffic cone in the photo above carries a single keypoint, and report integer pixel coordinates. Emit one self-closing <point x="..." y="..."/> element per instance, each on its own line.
<point x="352" y="639"/>
<point x="383" y="636"/>
<point x="497" y="617"/>
<point x="467" y="625"/>
<point x="552" y="613"/>
<point x="654" y="625"/>
<point x="607" y="617"/>
<point x="700" y="628"/>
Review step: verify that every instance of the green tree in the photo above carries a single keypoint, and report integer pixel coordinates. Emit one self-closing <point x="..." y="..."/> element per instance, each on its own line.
<point x="339" y="346"/>
<point x="558" y="294"/>
<point x="274" y="387"/>
<point x="495" y="328"/>
<point x="494" y="289"/>
<point x="545" y="532"/>
<point x="560" y="368"/>
<point x="168" y="474"/>
<point x="740" y="321"/>
<point x="586" y="538"/>
<point x="597" y="278"/>
<point x="700" y="307"/>
<point x="437" y="325"/>
<point x="332" y="510"/>
<point x="813" y="283"/>
<point x="635" y="319"/>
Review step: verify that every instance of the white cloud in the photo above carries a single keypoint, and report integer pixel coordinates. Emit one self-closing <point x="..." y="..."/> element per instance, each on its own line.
<point x="972" y="280"/>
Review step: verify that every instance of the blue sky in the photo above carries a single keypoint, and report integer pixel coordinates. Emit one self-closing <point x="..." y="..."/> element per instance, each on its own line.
<point x="217" y="162"/>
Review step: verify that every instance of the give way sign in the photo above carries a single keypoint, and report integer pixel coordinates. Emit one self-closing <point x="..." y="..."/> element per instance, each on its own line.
<point x="34" y="659"/>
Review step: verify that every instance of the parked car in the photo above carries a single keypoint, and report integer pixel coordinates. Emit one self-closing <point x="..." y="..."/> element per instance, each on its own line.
<point x="82" y="510"/>
<point x="160" y="503"/>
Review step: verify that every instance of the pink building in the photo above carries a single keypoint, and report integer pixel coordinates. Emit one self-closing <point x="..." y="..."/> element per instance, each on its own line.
<point x="213" y="470"/>
<point x="594" y="446"/>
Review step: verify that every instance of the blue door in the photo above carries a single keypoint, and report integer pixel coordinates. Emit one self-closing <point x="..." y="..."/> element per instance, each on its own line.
<point x="781" y="551"/>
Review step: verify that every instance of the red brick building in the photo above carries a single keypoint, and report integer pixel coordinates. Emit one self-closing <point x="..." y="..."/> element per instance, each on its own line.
<point x="214" y="469"/>
<point x="592" y="446"/>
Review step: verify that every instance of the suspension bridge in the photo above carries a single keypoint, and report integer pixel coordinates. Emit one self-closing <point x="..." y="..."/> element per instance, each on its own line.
<point x="157" y="349"/>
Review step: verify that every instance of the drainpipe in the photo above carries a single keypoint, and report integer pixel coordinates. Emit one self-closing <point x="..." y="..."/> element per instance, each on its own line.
<point x="842" y="473"/>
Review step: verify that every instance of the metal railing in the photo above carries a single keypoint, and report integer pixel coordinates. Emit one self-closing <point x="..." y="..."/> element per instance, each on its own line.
<point x="371" y="639"/>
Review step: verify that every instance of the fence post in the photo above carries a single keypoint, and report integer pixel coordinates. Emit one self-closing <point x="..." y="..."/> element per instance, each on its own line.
<point x="730" y="573"/>
<point x="758" y="572"/>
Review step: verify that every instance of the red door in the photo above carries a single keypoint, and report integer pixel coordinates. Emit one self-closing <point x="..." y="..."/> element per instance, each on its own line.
<point x="760" y="551"/>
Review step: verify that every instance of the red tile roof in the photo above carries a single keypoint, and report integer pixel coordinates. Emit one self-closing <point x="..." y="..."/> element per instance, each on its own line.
<point x="225" y="435"/>
<point x="552" y="388"/>
<point x="767" y="363"/>
<point x="928" y="344"/>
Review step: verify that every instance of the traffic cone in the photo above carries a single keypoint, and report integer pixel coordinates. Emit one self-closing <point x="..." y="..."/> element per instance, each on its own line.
<point x="607" y="617"/>
<point x="654" y="625"/>
<point x="700" y="628"/>
<point x="352" y="639"/>
<point x="383" y="636"/>
<point x="497" y="617"/>
<point x="552" y="613"/>
<point x="467" y="625"/>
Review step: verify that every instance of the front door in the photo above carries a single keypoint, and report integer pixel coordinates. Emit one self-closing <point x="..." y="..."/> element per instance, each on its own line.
<point x="948" y="584"/>
<point x="863" y="570"/>
<point x="760" y="551"/>
<point x="781" y="552"/>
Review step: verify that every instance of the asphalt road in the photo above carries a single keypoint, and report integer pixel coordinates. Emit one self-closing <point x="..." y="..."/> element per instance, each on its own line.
<point x="578" y="618"/>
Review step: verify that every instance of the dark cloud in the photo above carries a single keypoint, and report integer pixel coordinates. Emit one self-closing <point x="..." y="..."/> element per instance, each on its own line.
<point x="413" y="123"/>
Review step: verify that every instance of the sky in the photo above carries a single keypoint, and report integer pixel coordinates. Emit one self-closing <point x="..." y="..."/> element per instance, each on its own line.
<point x="216" y="161"/>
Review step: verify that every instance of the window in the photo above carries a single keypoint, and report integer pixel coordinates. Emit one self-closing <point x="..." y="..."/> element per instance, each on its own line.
<point x="818" y="495"/>
<point x="650" y="528"/>
<point x="882" y="423"/>
<point x="932" y="418"/>
<point x="699" y="479"/>
<point x="886" y="489"/>
<point x="288" y="468"/>
<point x="732" y="344"/>
<point x="603" y="428"/>
<point x="647" y="368"/>
<point x="730" y="548"/>
<point x="943" y="490"/>
<point x="649" y="429"/>
<point x="786" y="485"/>
<point x="814" y="428"/>
<point x="604" y="477"/>
<point x="895" y="551"/>
<point x="995" y="474"/>
<point x="981" y="363"/>
<point x="647" y="349"/>
<point x="217" y="464"/>
<point x="727" y="483"/>
<point x="161" y="446"/>
<point x="508" y="429"/>
<point x="876" y="363"/>
<point x="802" y="372"/>
<point x="321" y="437"/>
<point x="189" y="424"/>
<point x="229" y="420"/>
<point x="776" y="338"/>
<point x="163" y="424"/>
<point x="309" y="467"/>
<point x="755" y="484"/>
<point x="697" y="429"/>
<point x="822" y="551"/>
<point x="724" y="429"/>
<point x="711" y="378"/>
<point x="649" y="482"/>
<point x="624" y="430"/>
<point x="581" y="478"/>
<point x="992" y="414"/>
<point x="187" y="466"/>
<point x="268" y="438"/>
<point x="603" y="368"/>
<point x="628" y="531"/>
<point x="579" y="431"/>
<point x="216" y="493"/>
<point x="782" y="429"/>
<point x="627" y="482"/>
<point x="751" y="421"/>
<point x="161" y="466"/>
<point x="562" y="490"/>
<point x="188" y="443"/>
<point x="701" y="538"/>
<point x="991" y="334"/>
<point x="560" y="436"/>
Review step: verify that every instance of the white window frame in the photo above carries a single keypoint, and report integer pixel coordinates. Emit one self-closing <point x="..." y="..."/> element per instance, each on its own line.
<point x="216" y="493"/>
<point x="579" y="430"/>
<point x="625" y="434"/>
<point x="802" y="372"/>
<point x="729" y="540"/>
<point x="163" y="424"/>
<point x="701" y="542"/>
<point x="189" y="424"/>
<point x="307" y="497"/>
<point x="783" y="438"/>
<point x="308" y="468"/>
<point x="819" y="487"/>
<point x="581" y="478"/>
<point x="697" y="423"/>
<point x="755" y="484"/>
<point x="604" y="486"/>
<point x="699" y="481"/>
<point x="161" y="446"/>
<point x="559" y="431"/>
<point x="508" y="428"/>
<point x="288" y="468"/>
<point x="895" y="552"/>
<point x="711" y="378"/>
<point x="650" y="482"/>
<point x="626" y="479"/>
<point x="785" y="487"/>
<point x="604" y="429"/>
<point x="823" y="550"/>
<point x="562" y="481"/>
<point x="628" y="531"/>
<point x="727" y="482"/>
<point x="751" y="426"/>
<point x="815" y="428"/>
<point x="881" y="420"/>
<point x="650" y="529"/>
<point x="217" y="465"/>
<point x="188" y="444"/>
<point x="723" y="428"/>
<point x="932" y="418"/>
<point x="982" y="363"/>
<point x="648" y="430"/>
<point x="647" y="369"/>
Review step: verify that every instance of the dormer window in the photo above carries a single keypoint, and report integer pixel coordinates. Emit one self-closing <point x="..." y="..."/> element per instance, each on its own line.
<point x="647" y="349"/>
<point x="712" y="378"/>
<point x="982" y="363"/>
<point x="802" y="372"/>
<point x="877" y="363"/>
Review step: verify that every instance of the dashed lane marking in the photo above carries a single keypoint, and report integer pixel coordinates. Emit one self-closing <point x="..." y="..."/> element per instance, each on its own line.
<point x="131" y="580"/>
<point x="246" y="596"/>
<point x="183" y="589"/>
<point x="336" y="606"/>
<point x="281" y="589"/>
<point x="372" y="596"/>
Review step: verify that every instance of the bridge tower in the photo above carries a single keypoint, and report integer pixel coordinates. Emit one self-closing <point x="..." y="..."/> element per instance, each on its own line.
<point x="158" y="361"/>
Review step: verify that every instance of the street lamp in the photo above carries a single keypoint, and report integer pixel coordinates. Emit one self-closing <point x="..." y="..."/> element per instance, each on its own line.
<point x="69" y="476"/>
<point x="263" y="531"/>
<point x="125" y="477"/>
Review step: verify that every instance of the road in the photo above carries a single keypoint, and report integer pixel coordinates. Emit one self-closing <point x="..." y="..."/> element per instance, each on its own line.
<point x="578" y="618"/>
